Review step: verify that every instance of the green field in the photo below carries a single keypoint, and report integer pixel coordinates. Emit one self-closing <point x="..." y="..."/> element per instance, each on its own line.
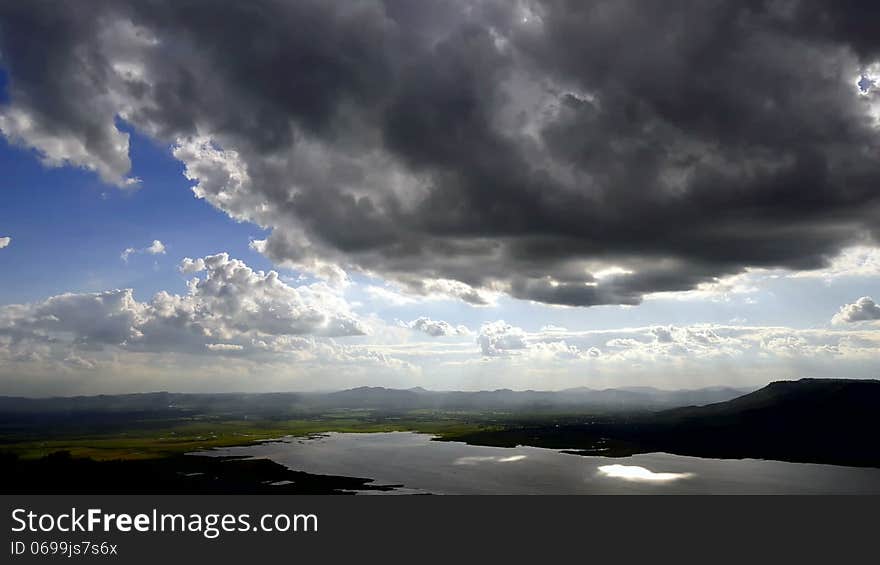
<point x="148" y="454"/>
<point x="137" y="441"/>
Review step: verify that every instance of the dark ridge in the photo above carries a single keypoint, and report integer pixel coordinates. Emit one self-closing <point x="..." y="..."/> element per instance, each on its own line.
<point x="831" y="421"/>
<point x="179" y="474"/>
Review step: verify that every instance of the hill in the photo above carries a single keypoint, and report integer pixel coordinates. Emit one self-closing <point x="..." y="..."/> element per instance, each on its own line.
<point x="810" y="420"/>
<point x="819" y="420"/>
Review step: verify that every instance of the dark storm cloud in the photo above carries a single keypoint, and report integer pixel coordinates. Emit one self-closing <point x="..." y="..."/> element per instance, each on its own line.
<point x="521" y="147"/>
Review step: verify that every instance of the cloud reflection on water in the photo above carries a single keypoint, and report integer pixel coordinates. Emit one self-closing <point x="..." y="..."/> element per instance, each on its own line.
<point x="640" y="474"/>
<point x="477" y="459"/>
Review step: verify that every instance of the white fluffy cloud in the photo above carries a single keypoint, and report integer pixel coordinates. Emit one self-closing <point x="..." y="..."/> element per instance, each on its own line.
<point x="329" y="272"/>
<point x="231" y="308"/>
<point x="220" y="177"/>
<point x="500" y="338"/>
<point x="247" y="328"/>
<point x="5" y="241"/>
<point x="239" y="299"/>
<point x="862" y="310"/>
<point x="437" y="328"/>
<point x="66" y="148"/>
<point x="189" y="266"/>
<point x="155" y="248"/>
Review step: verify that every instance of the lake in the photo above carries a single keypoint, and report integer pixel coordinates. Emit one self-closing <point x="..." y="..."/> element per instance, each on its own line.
<point x="421" y="465"/>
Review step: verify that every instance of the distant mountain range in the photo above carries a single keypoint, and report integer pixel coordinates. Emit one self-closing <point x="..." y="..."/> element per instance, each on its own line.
<point x="376" y="398"/>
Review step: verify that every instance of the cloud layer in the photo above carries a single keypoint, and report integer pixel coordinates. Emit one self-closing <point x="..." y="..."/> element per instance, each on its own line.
<point x="568" y="153"/>
<point x="654" y="347"/>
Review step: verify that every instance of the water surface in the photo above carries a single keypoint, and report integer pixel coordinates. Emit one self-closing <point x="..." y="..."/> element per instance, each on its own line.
<point x="440" y="467"/>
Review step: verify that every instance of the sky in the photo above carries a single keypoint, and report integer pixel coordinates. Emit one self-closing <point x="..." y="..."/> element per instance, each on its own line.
<point x="463" y="194"/>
